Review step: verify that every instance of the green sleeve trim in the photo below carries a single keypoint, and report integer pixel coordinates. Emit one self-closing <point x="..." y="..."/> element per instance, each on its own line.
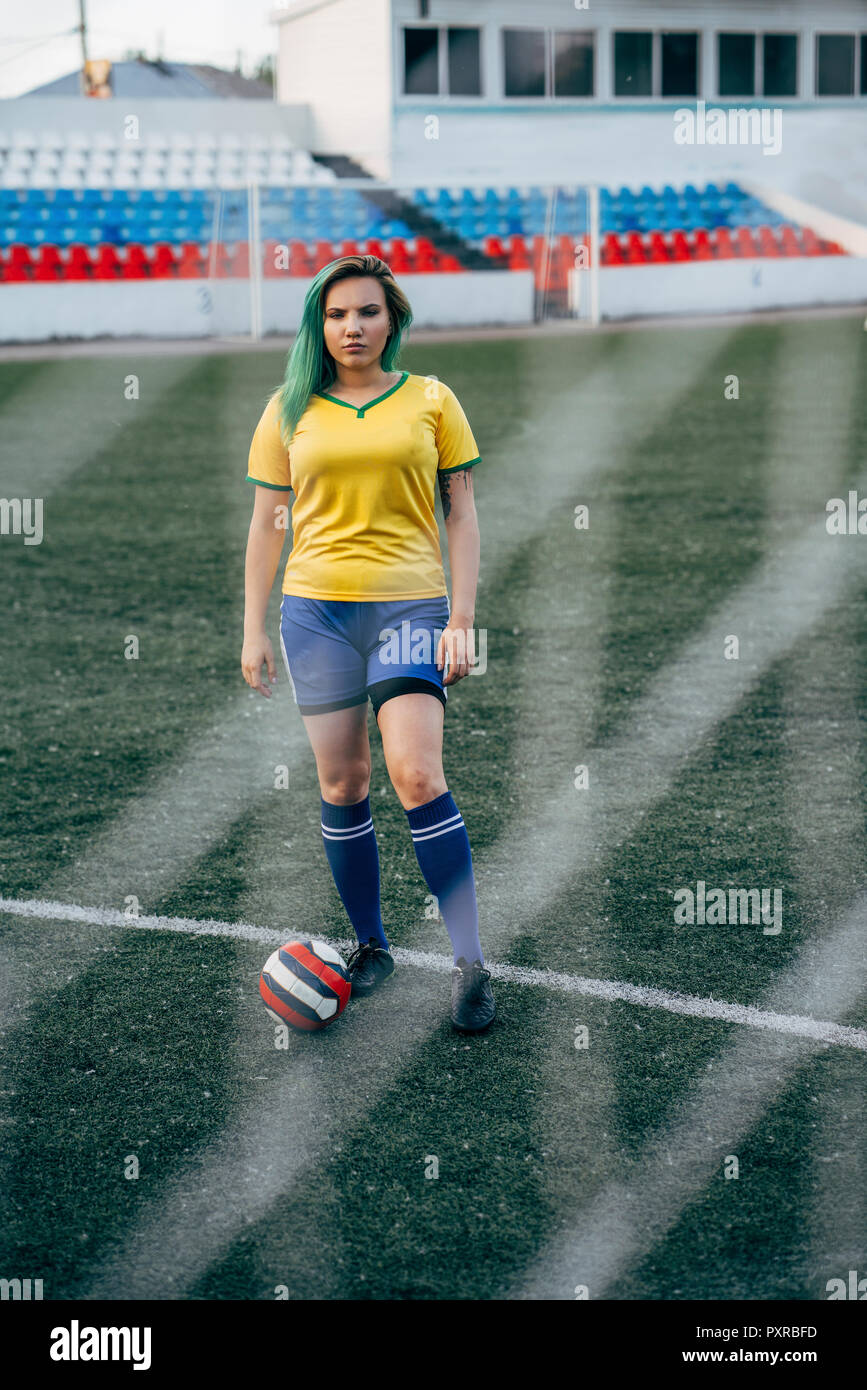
<point x="275" y="487"/>
<point x="458" y="466"/>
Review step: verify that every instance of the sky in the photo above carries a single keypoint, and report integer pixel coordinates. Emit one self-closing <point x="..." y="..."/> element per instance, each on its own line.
<point x="197" y="31"/>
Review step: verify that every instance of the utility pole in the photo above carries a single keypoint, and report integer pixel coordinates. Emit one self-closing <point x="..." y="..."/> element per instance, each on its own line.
<point x="83" y="31"/>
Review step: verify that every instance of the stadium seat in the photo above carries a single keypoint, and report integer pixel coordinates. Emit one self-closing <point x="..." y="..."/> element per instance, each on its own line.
<point x="107" y="265"/>
<point x="191" y="265"/>
<point x="680" y="248"/>
<point x="789" y="242"/>
<point x="79" y="265"/>
<point x="725" y="251"/>
<point x="744" y="242"/>
<point x="136" y="265"/>
<point x="48" y="264"/>
<point x="165" y="262"/>
<point x="658" y="250"/>
<point x="19" y="265"/>
<point x="701" y="246"/>
<point x="612" y="251"/>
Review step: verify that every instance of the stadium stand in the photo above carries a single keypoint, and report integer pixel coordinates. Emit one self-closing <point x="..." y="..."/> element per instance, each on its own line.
<point x="54" y="232"/>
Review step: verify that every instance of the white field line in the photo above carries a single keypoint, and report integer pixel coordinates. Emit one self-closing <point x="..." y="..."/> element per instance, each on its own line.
<point x="689" y="1005"/>
<point x="619" y="1225"/>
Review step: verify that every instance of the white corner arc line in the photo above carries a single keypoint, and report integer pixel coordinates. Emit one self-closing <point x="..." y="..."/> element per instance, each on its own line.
<point x="644" y="996"/>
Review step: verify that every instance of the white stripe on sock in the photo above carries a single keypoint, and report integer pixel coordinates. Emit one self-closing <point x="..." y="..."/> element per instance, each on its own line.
<point x="349" y="833"/>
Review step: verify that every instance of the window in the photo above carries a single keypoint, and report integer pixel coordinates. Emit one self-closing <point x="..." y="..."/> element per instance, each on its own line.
<point x="420" y="76"/>
<point x="421" y="62"/>
<point x="633" y="64"/>
<point x="524" y="51"/>
<point x="835" y="65"/>
<point x="680" y="65"/>
<point x="465" y="68"/>
<point x="737" y="65"/>
<point x="780" y="65"/>
<point x="573" y="65"/>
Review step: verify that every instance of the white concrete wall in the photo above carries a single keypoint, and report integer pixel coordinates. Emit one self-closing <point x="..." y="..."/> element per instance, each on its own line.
<point x="509" y="147"/>
<point x="205" y="308"/>
<point x="726" y="287"/>
<point x="336" y="56"/>
<point x="68" y="114"/>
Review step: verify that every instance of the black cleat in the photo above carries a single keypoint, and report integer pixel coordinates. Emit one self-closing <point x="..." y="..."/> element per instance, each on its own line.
<point x="368" y="967"/>
<point x="472" y="997"/>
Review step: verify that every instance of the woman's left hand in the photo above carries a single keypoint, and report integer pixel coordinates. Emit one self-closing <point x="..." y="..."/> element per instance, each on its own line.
<point x="458" y="643"/>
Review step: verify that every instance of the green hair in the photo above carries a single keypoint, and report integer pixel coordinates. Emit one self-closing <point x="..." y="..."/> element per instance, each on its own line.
<point x="310" y="366"/>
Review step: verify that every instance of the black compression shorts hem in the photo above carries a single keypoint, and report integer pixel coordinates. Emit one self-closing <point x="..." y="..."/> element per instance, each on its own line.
<point x="381" y="691"/>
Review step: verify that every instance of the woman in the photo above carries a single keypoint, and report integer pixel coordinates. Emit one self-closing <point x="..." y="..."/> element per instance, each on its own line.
<point x="365" y="609"/>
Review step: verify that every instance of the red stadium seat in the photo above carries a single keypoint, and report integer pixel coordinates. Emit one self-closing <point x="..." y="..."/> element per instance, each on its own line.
<point x="449" y="264"/>
<point x="48" y="264"/>
<point x="518" y="256"/>
<point x="636" y="251"/>
<point x="702" y="249"/>
<point x="19" y="265"/>
<point x="744" y="242"/>
<point x="374" y="248"/>
<point x="493" y="247"/>
<point x="400" y="260"/>
<point x="427" y="264"/>
<point x="165" y="262"/>
<point x="192" y="265"/>
<point x="724" y="249"/>
<point x="658" y="251"/>
<point x="789" y="243"/>
<point x="136" y="266"/>
<point x="680" y="248"/>
<point x="612" y="252"/>
<point x="768" y="245"/>
<point x="349" y="248"/>
<point x="323" y="254"/>
<point x="832" y="248"/>
<point x="300" y="259"/>
<point x="79" y="266"/>
<point x="107" y="265"/>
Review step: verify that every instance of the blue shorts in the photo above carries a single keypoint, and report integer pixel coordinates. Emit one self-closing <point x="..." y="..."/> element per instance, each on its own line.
<point x="339" y="652"/>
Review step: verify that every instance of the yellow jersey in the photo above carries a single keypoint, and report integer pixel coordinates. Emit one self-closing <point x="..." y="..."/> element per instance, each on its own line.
<point x="363" y="519"/>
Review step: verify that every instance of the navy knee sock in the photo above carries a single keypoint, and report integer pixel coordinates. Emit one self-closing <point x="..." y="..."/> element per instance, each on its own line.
<point x="442" y="847"/>
<point x="350" y="846"/>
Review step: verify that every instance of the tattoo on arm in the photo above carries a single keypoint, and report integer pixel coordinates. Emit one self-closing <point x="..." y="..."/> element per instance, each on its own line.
<point x="448" y="482"/>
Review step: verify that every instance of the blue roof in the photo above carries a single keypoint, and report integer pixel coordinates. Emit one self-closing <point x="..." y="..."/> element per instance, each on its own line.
<point x="140" y="78"/>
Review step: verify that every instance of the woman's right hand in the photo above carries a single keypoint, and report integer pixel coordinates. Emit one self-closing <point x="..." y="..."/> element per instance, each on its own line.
<point x="258" y="652"/>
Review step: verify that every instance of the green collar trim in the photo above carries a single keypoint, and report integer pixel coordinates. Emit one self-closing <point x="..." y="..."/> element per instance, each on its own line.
<point x="360" y="409"/>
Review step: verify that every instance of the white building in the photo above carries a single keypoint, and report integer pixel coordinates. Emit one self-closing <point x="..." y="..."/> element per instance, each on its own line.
<point x="427" y="91"/>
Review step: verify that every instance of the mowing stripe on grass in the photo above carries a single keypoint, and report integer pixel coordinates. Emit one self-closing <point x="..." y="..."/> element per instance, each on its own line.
<point x="626" y="1220"/>
<point x="690" y="1005"/>
<point x="630" y="1215"/>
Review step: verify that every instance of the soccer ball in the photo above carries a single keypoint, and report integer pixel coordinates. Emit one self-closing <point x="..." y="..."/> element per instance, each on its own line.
<point x="305" y="984"/>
